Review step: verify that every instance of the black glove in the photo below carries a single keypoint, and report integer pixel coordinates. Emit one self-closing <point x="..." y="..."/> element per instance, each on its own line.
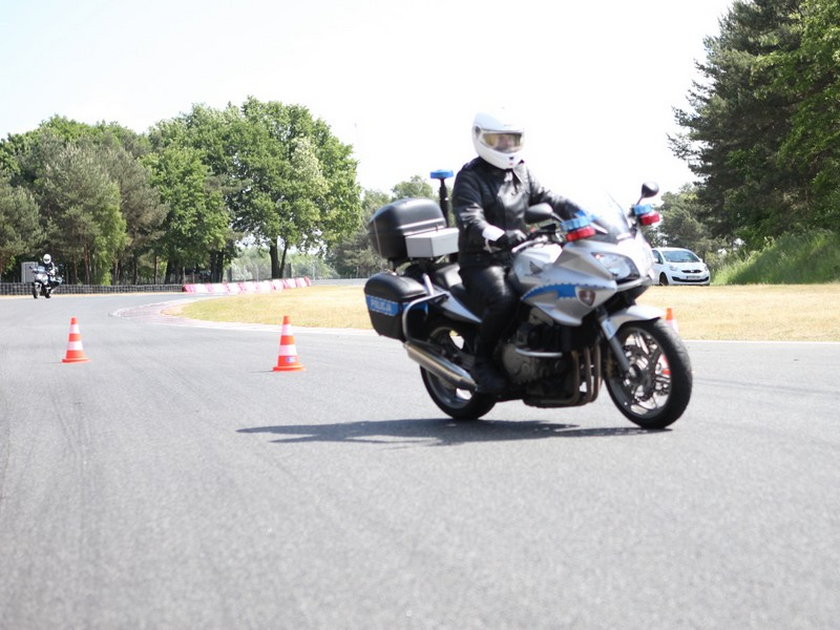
<point x="570" y="210"/>
<point x="510" y="239"/>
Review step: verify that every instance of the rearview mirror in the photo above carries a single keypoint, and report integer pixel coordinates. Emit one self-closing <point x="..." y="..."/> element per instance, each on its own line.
<point x="538" y="213"/>
<point x="650" y="189"/>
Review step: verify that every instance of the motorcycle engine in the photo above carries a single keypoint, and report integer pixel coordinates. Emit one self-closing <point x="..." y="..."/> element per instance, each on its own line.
<point x="527" y="359"/>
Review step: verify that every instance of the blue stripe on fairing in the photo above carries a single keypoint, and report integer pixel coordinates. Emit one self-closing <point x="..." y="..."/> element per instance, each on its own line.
<point x="562" y="290"/>
<point x="566" y="290"/>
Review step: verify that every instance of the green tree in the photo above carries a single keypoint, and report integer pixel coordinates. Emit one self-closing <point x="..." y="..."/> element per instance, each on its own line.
<point x="312" y="266"/>
<point x="82" y="205"/>
<point x="213" y="136"/>
<point x="287" y="180"/>
<point x="11" y="149"/>
<point x="299" y="180"/>
<point x="197" y="222"/>
<point x="31" y="159"/>
<point x="809" y="77"/>
<point x="341" y="208"/>
<point x="20" y="229"/>
<point x="121" y="151"/>
<point x="354" y="256"/>
<point x="739" y="120"/>
<point x="416" y="186"/>
<point x="250" y="263"/>
<point x="682" y="227"/>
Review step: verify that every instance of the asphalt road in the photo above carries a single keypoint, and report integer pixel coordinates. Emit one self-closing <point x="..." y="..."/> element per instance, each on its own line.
<point x="176" y="481"/>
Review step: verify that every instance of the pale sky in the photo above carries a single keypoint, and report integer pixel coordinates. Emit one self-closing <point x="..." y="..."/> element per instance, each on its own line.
<point x="594" y="82"/>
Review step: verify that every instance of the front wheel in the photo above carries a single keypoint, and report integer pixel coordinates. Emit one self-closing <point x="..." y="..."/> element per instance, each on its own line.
<point x="655" y="391"/>
<point x="35" y="290"/>
<point x="455" y="342"/>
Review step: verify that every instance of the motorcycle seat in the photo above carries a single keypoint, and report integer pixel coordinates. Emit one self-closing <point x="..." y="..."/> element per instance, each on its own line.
<point x="449" y="278"/>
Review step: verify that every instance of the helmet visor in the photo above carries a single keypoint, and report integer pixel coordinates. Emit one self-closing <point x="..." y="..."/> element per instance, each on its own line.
<point x="502" y="141"/>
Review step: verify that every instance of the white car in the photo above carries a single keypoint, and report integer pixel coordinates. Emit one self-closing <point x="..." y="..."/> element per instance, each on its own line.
<point x="674" y="265"/>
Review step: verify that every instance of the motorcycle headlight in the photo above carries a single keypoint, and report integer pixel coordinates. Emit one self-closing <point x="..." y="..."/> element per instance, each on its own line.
<point x="621" y="267"/>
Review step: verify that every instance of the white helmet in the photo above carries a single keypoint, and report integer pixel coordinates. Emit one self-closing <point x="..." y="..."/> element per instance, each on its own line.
<point x="47" y="259"/>
<point x="498" y="140"/>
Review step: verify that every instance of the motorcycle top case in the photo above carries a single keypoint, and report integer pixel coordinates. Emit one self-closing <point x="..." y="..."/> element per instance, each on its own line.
<point x="390" y="225"/>
<point x="387" y="295"/>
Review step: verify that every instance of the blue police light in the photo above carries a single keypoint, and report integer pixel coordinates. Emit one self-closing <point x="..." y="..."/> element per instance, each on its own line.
<point x="577" y="228"/>
<point x="646" y="215"/>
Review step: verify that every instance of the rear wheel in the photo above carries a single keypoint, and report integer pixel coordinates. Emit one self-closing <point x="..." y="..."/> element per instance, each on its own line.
<point x="655" y="391"/>
<point x="455" y="341"/>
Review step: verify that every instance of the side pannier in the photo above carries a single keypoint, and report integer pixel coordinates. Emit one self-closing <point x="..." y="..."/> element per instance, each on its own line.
<point x="387" y="295"/>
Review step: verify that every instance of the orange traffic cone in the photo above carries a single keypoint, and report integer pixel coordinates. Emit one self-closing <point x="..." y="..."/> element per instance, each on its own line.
<point x="287" y="360"/>
<point x="671" y="320"/>
<point x="75" y="352"/>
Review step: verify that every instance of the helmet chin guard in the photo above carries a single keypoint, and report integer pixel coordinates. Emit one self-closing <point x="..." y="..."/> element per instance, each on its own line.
<point x="498" y="140"/>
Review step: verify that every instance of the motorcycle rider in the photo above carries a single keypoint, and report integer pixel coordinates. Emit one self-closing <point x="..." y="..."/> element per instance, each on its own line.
<point x="489" y="198"/>
<point x="50" y="268"/>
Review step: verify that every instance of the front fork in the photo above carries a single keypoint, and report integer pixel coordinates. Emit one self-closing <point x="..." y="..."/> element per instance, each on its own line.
<point x="609" y="329"/>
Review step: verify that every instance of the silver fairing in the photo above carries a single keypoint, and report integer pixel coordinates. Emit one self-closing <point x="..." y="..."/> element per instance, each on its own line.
<point x="566" y="283"/>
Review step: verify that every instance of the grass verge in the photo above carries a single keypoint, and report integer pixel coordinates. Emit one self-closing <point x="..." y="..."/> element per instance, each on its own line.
<point x="795" y="258"/>
<point x="749" y="312"/>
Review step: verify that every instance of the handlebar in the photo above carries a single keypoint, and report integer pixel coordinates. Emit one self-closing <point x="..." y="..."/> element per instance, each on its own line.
<point x="543" y="234"/>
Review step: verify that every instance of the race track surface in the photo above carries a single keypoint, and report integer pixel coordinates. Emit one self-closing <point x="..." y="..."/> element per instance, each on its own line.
<point x="175" y="481"/>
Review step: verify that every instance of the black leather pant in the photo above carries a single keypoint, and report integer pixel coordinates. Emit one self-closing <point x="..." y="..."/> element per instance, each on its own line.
<point x="489" y="290"/>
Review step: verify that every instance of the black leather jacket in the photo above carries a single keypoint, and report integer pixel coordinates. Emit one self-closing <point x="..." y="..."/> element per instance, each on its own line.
<point x="483" y="194"/>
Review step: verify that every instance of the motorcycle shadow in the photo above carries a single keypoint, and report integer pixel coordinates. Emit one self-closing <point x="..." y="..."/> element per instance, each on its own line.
<point x="437" y="432"/>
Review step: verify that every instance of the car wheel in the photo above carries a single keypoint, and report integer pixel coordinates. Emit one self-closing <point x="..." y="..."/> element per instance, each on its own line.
<point x="663" y="280"/>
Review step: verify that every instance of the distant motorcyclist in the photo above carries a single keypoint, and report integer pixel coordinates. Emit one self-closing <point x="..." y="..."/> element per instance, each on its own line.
<point x="51" y="269"/>
<point x="489" y="197"/>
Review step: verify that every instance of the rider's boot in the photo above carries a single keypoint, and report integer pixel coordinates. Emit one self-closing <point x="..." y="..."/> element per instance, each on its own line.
<point x="489" y="377"/>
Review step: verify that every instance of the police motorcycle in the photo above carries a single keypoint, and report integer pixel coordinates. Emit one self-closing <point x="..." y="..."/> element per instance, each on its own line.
<point x="44" y="282"/>
<point x="578" y="326"/>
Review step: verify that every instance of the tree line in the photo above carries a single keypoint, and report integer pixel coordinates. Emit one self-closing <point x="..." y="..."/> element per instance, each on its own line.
<point x="116" y="206"/>
<point x="762" y="130"/>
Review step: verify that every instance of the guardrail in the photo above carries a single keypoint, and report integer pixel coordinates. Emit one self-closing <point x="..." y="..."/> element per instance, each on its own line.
<point x="25" y="288"/>
<point x="235" y="288"/>
<point x="220" y="288"/>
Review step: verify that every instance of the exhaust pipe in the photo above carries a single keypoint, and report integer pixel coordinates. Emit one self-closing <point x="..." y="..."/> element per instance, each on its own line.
<point x="440" y="367"/>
